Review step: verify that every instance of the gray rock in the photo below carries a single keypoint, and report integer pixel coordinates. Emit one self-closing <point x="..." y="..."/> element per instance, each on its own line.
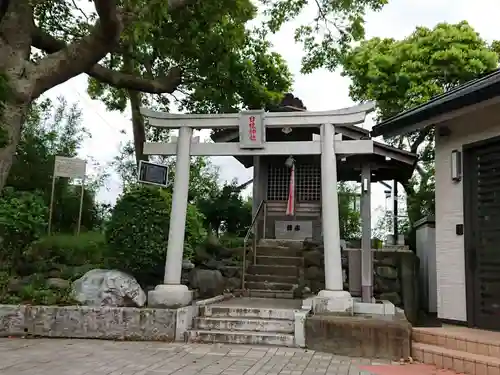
<point x="187" y="265"/>
<point x="313" y="258"/>
<point x="58" y="283"/>
<point x="314" y="273"/>
<point x="210" y="283"/>
<point x="108" y="288"/>
<point x="393" y="297"/>
<point x="233" y="283"/>
<point x="387" y="272"/>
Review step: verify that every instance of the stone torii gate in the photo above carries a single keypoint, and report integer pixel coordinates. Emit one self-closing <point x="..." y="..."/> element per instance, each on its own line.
<point x="252" y="133"/>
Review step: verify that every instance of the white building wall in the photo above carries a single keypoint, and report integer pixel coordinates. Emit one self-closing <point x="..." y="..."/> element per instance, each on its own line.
<point x="450" y="255"/>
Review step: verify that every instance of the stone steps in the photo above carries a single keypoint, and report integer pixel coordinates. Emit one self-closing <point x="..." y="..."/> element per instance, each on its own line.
<point x="278" y="251"/>
<point x="238" y="324"/>
<point x="278" y="261"/>
<point x="260" y="293"/>
<point x="272" y="279"/>
<point x="279" y="270"/>
<point x="230" y="311"/>
<point x="259" y="285"/>
<point x="242" y="337"/>
<point x="252" y="321"/>
<point x="462" y="350"/>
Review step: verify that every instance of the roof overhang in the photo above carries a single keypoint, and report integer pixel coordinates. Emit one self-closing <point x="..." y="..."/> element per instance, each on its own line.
<point x="476" y="94"/>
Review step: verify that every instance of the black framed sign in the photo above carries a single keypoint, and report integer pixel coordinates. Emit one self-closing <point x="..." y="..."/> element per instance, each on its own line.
<point x="152" y="173"/>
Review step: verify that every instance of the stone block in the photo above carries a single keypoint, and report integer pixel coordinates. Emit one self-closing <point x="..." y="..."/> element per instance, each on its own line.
<point x="359" y="336"/>
<point x="114" y="323"/>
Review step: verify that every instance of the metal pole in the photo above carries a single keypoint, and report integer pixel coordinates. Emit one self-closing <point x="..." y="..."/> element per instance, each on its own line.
<point x="395" y="213"/>
<point x="81" y="208"/>
<point x="51" y="208"/>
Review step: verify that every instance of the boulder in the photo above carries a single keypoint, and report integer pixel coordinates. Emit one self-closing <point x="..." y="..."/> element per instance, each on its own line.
<point x="233" y="283"/>
<point x="313" y="258"/>
<point x="100" y="287"/>
<point x="58" y="283"/>
<point x="209" y="283"/>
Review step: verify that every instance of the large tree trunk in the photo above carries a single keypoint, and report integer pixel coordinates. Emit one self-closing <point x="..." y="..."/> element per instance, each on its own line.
<point x="10" y="121"/>
<point x="137" y="126"/>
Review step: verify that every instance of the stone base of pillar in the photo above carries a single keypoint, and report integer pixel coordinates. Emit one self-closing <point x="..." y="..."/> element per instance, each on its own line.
<point x="170" y="296"/>
<point x="333" y="301"/>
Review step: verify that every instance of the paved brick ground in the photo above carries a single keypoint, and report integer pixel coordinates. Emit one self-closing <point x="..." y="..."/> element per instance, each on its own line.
<point x="92" y="357"/>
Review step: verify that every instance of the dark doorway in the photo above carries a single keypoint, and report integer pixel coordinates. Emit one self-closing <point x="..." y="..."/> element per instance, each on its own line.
<point x="482" y="235"/>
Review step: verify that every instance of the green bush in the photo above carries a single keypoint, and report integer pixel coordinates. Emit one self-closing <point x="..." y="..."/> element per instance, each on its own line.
<point x="231" y="241"/>
<point x="137" y="233"/>
<point x="23" y="219"/>
<point x="72" y="250"/>
<point x="32" y="290"/>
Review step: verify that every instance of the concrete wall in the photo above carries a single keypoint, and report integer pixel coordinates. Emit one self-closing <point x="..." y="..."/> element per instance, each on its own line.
<point x="450" y="259"/>
<point x="395" y="274"/>
<point x="426" y="251"/>
<point x="117" y="323"/>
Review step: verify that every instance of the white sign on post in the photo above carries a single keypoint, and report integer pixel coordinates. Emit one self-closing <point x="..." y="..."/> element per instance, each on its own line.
<point x="68" y="168"/>
<point x="252" y="129"/>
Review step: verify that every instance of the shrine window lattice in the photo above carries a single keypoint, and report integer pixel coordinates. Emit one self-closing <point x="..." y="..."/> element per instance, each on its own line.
<point x="307" y="183"/>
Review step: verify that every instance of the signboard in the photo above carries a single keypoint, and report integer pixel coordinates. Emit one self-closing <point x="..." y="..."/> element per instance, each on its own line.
<point x="151" y="173"/>
<point x="69" y="167"/>
<point x="252" y="129"/>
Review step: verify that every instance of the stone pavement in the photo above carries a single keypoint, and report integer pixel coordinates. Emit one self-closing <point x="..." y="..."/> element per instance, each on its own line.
<point x="93" y="357"/>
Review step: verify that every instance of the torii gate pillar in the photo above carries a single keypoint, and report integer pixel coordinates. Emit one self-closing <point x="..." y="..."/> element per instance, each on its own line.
<point x="333" y="298"/>
<point x="172" y="293"/>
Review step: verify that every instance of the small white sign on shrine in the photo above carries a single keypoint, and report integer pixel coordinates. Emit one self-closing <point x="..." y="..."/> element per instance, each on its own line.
<point x="69" y="167"/>
<point x="252" y="129"/>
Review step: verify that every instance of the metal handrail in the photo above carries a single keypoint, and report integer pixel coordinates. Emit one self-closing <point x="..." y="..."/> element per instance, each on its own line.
<point x="262" y="206"/>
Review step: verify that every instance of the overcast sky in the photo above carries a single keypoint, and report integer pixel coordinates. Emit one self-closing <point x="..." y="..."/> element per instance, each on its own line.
<point x="321" y="90"/>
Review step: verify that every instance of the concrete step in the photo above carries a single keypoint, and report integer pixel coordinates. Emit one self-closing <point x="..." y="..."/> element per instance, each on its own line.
<point x="242" y="337"/>
<point x="260" y="269"/>
<point x="461" y="362"/>
<point x="474" y="341"/>
<point x="279" y="261"/>
<point x="272" y="278"/>
<point x="278" y="251"/>
<point x="259" y="293"/>
<point x="237" y="324"/>
<point x="235" y="311"/>
<point x="291" y="244"/>
<point x="252" y="285"/>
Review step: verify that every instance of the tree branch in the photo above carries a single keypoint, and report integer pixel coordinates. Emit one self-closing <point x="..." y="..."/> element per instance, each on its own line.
<point x="167" y="84"/>
<point x="79" y="56"/>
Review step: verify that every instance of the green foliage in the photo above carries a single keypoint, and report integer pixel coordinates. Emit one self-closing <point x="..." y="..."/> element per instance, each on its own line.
<point x="225" y="211"/>
<point x="32" y="290"/>
<point x="230" y="241"/>
<point x="23" y="219"/>
<point x="224" y="64"/>
<point x="69" y="250"/>
<point x="137" y="233"/>
<point x="349" y="211"/>
<point x="401" y="74"/>
<point x="49" y="130"/>
<point x="330" y="34"/>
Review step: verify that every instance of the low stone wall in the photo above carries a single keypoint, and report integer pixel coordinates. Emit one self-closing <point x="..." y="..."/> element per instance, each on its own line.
<point x="359" y="337"/>
<point x="115" y="323"/>
<point x="395" y="274"/>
